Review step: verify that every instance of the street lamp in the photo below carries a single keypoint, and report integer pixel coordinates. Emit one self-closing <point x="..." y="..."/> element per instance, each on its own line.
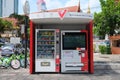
<point x="26" y="9"/>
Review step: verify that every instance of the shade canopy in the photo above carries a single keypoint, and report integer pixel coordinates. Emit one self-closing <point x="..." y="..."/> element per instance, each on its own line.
<point x="54" y="18"/>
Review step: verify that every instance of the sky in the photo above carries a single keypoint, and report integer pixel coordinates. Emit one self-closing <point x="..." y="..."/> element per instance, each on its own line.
<point x="53" y="4"/>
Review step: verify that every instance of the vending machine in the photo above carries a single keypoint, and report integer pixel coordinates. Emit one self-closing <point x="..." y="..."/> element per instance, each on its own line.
<point x="61" y="45"/>
<point x="46" y="53"/>
<point x="74" y="51"/>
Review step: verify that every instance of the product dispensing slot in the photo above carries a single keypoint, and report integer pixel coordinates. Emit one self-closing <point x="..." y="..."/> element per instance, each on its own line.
<point x="74" y="64"/>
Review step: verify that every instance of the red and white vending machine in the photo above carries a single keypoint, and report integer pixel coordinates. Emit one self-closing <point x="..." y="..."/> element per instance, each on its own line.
<point x="61" y="45"/>
<point x="74" y="51"/>
<point x="46" y="53"/>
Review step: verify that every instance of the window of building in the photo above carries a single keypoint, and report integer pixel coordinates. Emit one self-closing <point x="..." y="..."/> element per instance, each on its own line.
<point x="116" y="43"/>
<point x="4" y="3"/>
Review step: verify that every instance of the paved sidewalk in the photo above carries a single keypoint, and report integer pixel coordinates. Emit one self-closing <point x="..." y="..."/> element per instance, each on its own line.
<point x="106" y="62"/>
<point x="23" y="74"/>
<point x="106" y="57"/>
<point x="106" y="67"/>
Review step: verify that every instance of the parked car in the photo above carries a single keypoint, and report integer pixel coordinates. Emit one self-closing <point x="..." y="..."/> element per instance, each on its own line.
<point x="7" y="49"/>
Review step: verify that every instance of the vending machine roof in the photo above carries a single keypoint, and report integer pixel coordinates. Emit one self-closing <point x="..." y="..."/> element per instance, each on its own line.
<point x="55" y="18"/>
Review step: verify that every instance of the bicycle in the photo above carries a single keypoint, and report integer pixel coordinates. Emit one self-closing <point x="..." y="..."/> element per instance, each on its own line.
<point x="15" y="61"/>
<point x="4" y="62"/>
<point x="11" y="61"/>
<point x="22" y="60"/>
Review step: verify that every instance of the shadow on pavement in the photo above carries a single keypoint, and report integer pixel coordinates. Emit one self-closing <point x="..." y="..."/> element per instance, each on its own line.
<point x="105" y="68"/>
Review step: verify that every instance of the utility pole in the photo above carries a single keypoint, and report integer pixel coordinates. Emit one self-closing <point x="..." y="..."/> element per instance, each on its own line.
<point x="26" y="9"/>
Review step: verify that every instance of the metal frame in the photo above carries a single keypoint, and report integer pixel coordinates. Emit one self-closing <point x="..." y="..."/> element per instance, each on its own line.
<point x="51" y="60"/>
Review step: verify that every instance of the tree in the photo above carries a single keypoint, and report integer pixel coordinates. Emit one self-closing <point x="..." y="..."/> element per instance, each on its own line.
<point x="1" y="25"/>
<point x="108" y="20"/>
<point x="5" y="25"/>
<point x="20" y="18"/>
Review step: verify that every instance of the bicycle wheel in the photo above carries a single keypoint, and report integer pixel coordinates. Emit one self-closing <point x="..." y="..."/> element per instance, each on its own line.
<point x="6" y="62"/>
<point x="22" y="62"/>
<point x="15" y="64"/>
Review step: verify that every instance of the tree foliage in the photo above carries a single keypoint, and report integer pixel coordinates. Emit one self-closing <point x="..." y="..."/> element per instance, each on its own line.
<point x="108" y="20"/>
<point x="5" y="25"/>
<point x="20" y="18"/>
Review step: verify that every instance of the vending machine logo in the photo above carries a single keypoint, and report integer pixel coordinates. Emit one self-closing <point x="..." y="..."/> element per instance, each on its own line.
<point x="62" y="13"/>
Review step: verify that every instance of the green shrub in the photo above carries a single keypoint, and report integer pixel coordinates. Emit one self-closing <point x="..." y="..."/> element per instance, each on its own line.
<point x="105" y="49"/>
<point x="108" y="49"/>
<point x="102" y="49"/>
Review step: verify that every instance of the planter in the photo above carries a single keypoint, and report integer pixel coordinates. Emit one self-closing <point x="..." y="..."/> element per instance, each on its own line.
<point x="115" y="50"/>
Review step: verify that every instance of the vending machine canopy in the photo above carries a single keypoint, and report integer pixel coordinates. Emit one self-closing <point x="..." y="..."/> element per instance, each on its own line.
<point x="54" y="18"/>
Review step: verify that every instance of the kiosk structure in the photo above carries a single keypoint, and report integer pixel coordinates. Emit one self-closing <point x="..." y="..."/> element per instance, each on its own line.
<point x="61" y="45"/>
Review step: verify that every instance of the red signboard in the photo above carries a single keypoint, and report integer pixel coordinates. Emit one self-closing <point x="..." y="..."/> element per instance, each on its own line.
<point x="62" y="13"/>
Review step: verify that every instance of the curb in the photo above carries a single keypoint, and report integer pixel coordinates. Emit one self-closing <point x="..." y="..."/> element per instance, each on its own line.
<point x="107" y="65"/>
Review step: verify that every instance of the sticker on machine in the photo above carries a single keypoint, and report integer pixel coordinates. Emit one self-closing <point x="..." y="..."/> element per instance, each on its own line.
<point x="68" y="54"/>
<point x="45" y="63"/>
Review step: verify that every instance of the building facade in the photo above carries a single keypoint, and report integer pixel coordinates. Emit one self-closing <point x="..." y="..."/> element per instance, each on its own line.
<point x="8" y="7"/>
